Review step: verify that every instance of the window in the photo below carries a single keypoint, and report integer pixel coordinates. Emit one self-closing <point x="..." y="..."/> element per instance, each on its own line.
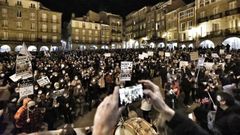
<point x="54" y="28"/>
<point x="202" y="14"/>
<point x="90" y="32"/>
<point x="90" y="39"/>
<point x="83" y="25"/>
<point x="183" y="26"/>
<point x="76" y="31"/>
<point x="20" y="36"/>
<point x="190" y="24"/>
<point x="201" y="4"/>
<point x="32" y="5"/>
<point x="44" y="17"/>
<point x="54" y="38"/>
<point x="83" y="31"/>
<point x="215" y="26"/>
<point x="54" y="18"/>
<point x="4" y="12"/>
<point x="5" y="23"/>
<point x="19" y="3"/>
<point x="44" y="28"/>
<point x="76" y="38"/>
<point x="33" y="26"/>
<point x="32" y="16"/>
<point x="19" y="13"/>
<point x="19" y="25"/>
<point x="215" y="10"/>
<point x="96" y="32"/>
<point x="207" y="2"/>
<point x="213" y="1"/>
<point x="5" y="35"/>
<point x="233" y="5"/>
<point x="83" y="38"/>
<point x="44" y="37"/>
<point x="33" y="37"/>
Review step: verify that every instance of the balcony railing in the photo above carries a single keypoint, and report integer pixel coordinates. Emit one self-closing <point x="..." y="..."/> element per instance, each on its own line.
<point x="204" y="19"/>
<point x="225" y="32"/>
<point x="233" y="11"/>
<point x="216" y="16"/>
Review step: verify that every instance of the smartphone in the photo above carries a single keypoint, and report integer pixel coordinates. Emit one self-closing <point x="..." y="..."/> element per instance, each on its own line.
<point x="130" y="94"/>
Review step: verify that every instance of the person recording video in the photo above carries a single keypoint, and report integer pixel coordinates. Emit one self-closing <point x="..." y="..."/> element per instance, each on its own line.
<point x="108" y="113"/>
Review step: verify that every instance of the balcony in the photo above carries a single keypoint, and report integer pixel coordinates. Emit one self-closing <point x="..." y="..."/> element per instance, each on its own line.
<point x="232" y="31"/>
<point x="216" y="16"/>
<point x="204" y="19"/>
<point x="233" y="11"/>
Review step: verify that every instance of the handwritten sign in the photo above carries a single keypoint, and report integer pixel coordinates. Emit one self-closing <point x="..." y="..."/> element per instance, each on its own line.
<point x="126" y="71"/>
<point x="43" y="81"/>
<point x="26" y="90"/>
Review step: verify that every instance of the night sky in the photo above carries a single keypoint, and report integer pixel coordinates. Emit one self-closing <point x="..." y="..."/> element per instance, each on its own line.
<point x="81" y="7"/>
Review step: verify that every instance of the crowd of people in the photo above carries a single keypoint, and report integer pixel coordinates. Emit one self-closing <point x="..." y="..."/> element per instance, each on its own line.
<point x="80" y="81"/>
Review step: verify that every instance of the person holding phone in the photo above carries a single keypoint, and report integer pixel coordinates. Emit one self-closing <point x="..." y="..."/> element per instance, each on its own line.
<point x="108" y="113"/>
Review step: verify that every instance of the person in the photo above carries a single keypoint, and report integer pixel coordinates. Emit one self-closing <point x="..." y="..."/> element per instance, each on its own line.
<point x="108" y="112"/>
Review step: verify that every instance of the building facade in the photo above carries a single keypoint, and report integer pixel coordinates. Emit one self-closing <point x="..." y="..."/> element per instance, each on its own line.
<point x="26" y="21"/>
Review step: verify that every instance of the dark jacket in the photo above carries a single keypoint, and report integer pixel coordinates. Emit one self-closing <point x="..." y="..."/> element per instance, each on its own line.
<point x="228" y="121"/>
<point x="184" y="126"/>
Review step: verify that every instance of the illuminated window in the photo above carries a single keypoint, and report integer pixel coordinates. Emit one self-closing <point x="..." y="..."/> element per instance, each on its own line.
<point x="32" y="15"/>
<point x="76" y="31"/>
<point x="20" y="36"/>
<point x="44" y="28"/>
<point x="76" y="38"/>
<point x="5" y="35"/>
<point x="233" y="5"/>
<point x="5" y="23"/>
<point x="54" y="28"/>
<point x="54" y="18"/>
<point x="215" y="26"/>
<point x="33" y="37"/>
<point x="183" y="26"/>
<point x="4" y="12"/>
<point x="215" y="10"/>
<point x="44" y="37"/>
<point x="44" y="17"/>
<point x="54" y="38"/>
<point x="19" y="25"/>
<point x="202" y="14"/>
<point x="33" y="26"/>
<point x="83" y="31"/>
<point x="90" y="32"/>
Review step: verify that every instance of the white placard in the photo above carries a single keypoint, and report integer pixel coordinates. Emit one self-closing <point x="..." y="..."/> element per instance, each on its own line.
<point x="141" y="57"/>
<point x="107" y="54"/>
<point x="208" y="65"/>
<point x="201" y="62"/>
<point x="194" y="56"/>
<point x="26" y="91"/>
<point x="145" y="55"/>
<point x="23" y="67"/>
<point x="221" y="51"/>
<point x="215" y="55"/>
<point x="43" y="81"/>
<point x="15" y="78"/>
<point x="167" y="54"/>
<point x="126" y="70"/>
<point x="150" y="53"/>
<point x="183" y="64"/>
<point x="229" y="56"/>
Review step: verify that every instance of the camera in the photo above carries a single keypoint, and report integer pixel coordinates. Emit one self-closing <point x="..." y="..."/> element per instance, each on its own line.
<point x="130" y="94"/>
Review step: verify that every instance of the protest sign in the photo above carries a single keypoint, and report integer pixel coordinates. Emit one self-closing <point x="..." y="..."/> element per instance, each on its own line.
<point x="215" y="55"/>
<point x="43" y="81"/>
<point x="26" y="90"/>
<point x="107" y="55"/>
<point x="208" y="65"/>
<point x="167" y="54"/>
<point x="141" y="57"/>
<point x="126" y="71"/>
<point x="229" y="56"/>
<point x="183" y="64"/>
<point x="23" y="67"/>
<point x="145" y="55"/>
<point x="194" y="56"/>
<point x="221" y="51"/>
<point x="15" y="78"/>
<point x="201" y="62"/>
<point x="150" y="53"/>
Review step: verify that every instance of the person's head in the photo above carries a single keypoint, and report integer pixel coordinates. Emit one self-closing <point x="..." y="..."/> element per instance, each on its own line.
<point x="31" y="105"/>
<point x="68" y="130"/>
<point x="225" y="100"/>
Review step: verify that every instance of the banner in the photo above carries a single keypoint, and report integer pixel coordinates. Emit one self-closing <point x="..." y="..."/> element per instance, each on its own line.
<point x="194" y="56"/>
<point x="23" y="67"/>
<point x="150" y="53"/>
<point x="167" y="54"/>
<point x="201" y="62"/>
<point x="126" y="71"/>
<point x="183" y="64"/>
<point x="43" y="81"/>
<point x="26" y="90"/>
